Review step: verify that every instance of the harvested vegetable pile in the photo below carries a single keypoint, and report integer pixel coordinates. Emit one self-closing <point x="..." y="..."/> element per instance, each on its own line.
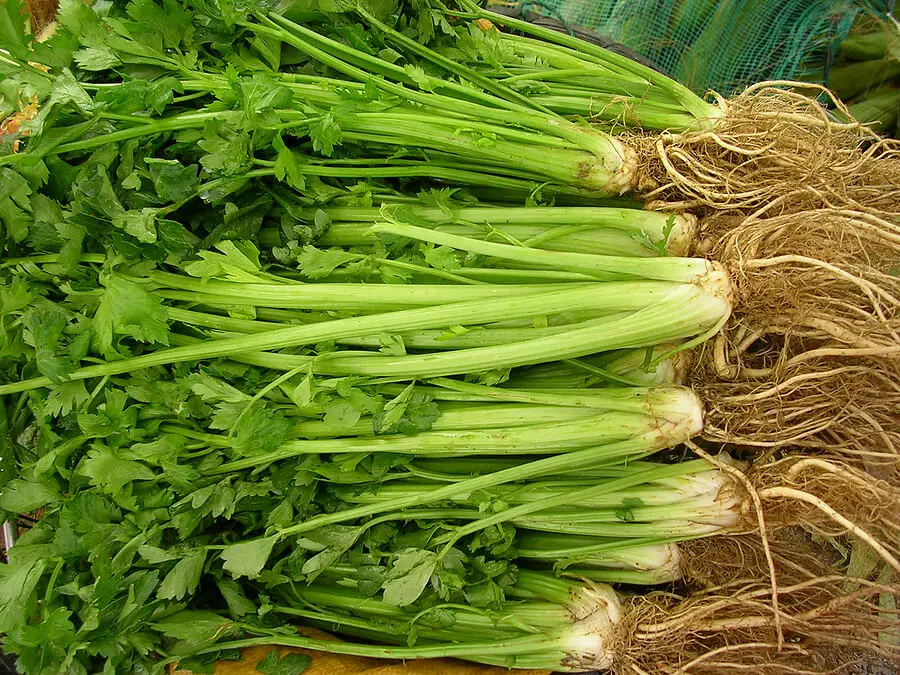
<point x="351" y="316"/>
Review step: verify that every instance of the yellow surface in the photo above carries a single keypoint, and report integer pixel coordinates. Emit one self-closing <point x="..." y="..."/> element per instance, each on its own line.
<point x="324" y="663"/>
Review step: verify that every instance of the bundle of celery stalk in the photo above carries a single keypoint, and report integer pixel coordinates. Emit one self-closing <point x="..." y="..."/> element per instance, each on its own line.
<point x="866" y="73"/>
<point x="298" y="327"/>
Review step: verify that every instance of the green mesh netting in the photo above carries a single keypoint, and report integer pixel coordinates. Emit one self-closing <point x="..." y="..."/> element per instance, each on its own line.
<point x="719" y="45"/>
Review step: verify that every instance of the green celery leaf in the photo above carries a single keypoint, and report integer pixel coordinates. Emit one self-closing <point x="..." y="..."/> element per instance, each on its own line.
<point x="166" y="446"/>
<point x="484" y="594"/>
<point x="441" y="198"/>
<point x="489" y="568"/>
<point x="140" y="587"/>
<point x="489" y="377"/>
<point x="420" y="414"/>
<point x="236" y="261"/>
<point x="441" y="257"/>
<point x="22" y="496"/>
<point x="45" y="323"/>
<point x="331" y="542"/>
<point x="420" y="78"/>
<point x="269" y="48"/>
<point x="175" y="238"/>
<point x="393" y="411"/>
<point x="171" y="180"/>
<point x="211" y="389"/>
<point x="155" y="555"/>
<point x="184" y="577"/>
<point x="410" y="573"/>
<point x="95" y="194"/>
<point x="15" y="204"/>
<point x="180" y="476"/>
<point x="56" y="629"/>
<point x="261" y="93"/>
<point x="197" y="627"/>
<point x="12" y="27"/>
<point x="342" y="413"/>
<point x="325" y="133"/>
<point x="302" y="395"/>
<point x="13" y="185"/>
<point x="111" y="417"/>
<point x="289" y="664"/>
<point x="15" y="295"/>
<point x="259" y="430"/>
<point x="497" y="539"/>
<point x="287" y="165"/>
<point x="66" y="397"/>
<point x="282" y="515"/>
<point x="346" y="412"/>
<point x="67" y="89"/>
<point x="173" y="21"/>
<point x="624" y="511"/>
<point x="139" y="96"/>
<point x="79" y="18"/>
<point x="17" y="583"/>
<point x="100" y="57"/>
<point x="439" y="618"/>
<point x="316" y="263"/>
<point x="226" y="415"/>
<point x="228" y="150"/>
<point x="238" y="603"/>
<point x="72" y="235"/>
<point x="162" y="93"/>
<point x="248" y="558"/>
<point x="110" y="472"/>
<point x="409" y="413"/>
<point x="205" y="664"/>
<point x="126" y="308"/>
<point x="391" y="344"/>
<point x="215" y="500"/>
<point x="139" y="223"/>
<point x="14" y="219"/>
